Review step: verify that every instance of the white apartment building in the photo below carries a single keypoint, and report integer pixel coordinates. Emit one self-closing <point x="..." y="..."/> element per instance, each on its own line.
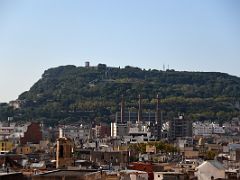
<point x="206" y="129"/>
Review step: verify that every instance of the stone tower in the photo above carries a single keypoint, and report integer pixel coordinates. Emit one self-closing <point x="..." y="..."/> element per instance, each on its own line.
<point x="64" y="153"/>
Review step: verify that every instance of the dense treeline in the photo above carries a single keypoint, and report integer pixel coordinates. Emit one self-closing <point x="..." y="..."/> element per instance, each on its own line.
<point x="69" y="93"/>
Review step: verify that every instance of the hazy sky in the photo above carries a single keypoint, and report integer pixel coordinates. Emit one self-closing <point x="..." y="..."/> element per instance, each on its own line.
<point x="201" y="35"/>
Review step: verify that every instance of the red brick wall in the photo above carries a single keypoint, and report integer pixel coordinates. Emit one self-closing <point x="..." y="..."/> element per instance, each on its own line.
<point x="105" y="131"/>
<point x="33" y="134"/>
<point x="147" y="167"/>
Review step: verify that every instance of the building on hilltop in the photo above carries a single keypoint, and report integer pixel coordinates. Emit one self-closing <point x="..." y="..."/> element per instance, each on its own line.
<point x="87" y="64"/>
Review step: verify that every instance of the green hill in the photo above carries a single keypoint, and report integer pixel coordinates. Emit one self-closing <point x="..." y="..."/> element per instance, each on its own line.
<point x="69" y="93"/>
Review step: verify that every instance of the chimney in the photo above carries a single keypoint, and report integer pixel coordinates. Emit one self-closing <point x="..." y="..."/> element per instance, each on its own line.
<point x="116" y="117"/>
<point x="9" y="121"/>
<point x="139" y="108"/>
<point x="158" y="118"/>
<point x="158" y="109"/>
<point x="122" y="109"/>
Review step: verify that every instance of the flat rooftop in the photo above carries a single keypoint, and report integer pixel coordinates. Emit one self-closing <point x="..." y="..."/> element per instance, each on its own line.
<point x="62" y="173"/>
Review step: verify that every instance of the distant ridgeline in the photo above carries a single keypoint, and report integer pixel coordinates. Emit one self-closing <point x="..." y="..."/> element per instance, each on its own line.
<point x="93" y="94"/>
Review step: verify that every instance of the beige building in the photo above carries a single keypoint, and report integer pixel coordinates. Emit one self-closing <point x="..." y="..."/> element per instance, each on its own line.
<point x="168" y="175"/>
<point x="210" y="170"/>
<point x="133" y="175"/>
<point x="191" y="154"/>
<point x="5" y="146"/>
<point x="26" y="149"/>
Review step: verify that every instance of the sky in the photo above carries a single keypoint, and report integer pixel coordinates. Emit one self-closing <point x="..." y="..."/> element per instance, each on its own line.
<point x="188" y="35"/>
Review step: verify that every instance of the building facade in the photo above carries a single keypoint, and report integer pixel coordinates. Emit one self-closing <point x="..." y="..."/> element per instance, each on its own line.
<point x="180" y="127"/>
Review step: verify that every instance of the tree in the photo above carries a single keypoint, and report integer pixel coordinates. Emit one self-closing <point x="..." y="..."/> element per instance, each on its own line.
<point x="210" y="155"/>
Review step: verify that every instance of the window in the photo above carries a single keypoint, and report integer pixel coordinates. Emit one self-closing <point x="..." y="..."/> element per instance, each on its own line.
<point x="61" y="151"/>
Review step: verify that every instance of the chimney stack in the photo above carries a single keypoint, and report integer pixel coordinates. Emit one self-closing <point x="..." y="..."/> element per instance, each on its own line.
<point x="122" y="109"/>
<point x="139" y="108"/>
<point x="158" y="118"/>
